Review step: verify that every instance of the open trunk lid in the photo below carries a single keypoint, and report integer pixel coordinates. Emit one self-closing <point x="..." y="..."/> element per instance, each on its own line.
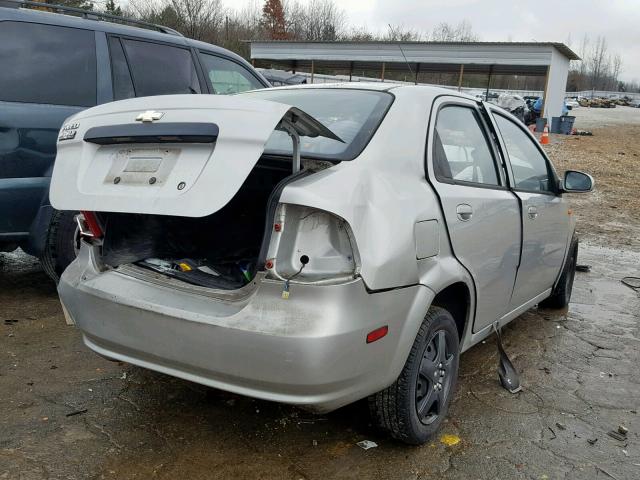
<point x="182" y="155"/>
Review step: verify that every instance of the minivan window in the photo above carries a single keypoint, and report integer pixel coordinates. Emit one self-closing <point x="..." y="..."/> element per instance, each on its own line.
<point x="461" y="150"/>
<point x="529" y="167"/>
<point x="159" y="69"/>
<point x="353" y="115"/>
<point x="227" y="77"/>
<point x="47" y="64"/>
<point x="122" y="83"/>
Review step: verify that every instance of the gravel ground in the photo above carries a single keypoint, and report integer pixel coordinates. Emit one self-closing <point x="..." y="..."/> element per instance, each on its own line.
<point x="69" y="414"/>
<point x="609" y="216"/>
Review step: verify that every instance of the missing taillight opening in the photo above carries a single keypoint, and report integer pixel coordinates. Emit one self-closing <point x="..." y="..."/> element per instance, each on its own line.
<point x="92" y="224"/>
<point x="321" y="235"/>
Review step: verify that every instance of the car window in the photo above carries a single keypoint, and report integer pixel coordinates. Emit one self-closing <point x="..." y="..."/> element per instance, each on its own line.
<point x="353" y="115"/>
<point x="160" y="69"/>
<point x="461" y="149"/>
<point x="226" y="76"/>
<point x="122" y="83"/>
<point x="530" y="169"/>
<point x="47" y="64"/>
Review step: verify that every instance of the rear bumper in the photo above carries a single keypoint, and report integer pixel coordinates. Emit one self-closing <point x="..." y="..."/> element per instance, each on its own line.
<point x="309" y="350"/>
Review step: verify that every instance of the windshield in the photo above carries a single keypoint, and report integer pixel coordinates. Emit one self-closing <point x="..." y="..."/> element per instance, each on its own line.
<point x="353" y="115"/>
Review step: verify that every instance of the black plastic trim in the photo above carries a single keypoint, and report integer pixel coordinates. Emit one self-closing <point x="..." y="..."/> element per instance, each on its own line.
<point x="153" y="133"/>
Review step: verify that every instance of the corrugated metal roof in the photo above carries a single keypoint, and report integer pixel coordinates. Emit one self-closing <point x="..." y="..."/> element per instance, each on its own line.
<point x="561" y="47"/>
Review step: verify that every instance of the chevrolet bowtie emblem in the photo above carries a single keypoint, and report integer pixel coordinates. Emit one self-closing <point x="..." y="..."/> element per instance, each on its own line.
<point x="149" y="116"/>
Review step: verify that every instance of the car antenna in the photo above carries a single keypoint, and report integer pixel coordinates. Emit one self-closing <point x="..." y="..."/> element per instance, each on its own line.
<point x="403" y="55"/>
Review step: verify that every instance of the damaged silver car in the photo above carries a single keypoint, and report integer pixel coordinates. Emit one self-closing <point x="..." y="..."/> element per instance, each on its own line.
<point x="311" y="245"/>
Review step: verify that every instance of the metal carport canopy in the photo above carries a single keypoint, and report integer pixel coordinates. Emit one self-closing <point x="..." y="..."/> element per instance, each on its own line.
<point x="491" y="58"/>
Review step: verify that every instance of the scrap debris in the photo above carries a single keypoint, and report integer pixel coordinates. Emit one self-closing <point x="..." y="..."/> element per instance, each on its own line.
<point x="367" y="444"/>
<point x="618" y="436"/>
<point x="450" y="440"/>
<point x="77" y="412"/>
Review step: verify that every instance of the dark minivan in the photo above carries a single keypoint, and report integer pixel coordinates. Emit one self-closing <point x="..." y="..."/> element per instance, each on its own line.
<point x="51" y="66"/>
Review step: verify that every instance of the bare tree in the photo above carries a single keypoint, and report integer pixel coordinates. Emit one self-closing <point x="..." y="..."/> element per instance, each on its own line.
<point x="199" y="17"/>
<point x="462" y="32"/>
<point x="398" y="33"/>
<point x="318" y="20"/>
<point x="598" y="62"/>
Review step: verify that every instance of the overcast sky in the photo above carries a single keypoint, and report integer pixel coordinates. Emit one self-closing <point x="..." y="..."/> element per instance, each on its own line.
<point x="515" y="20"/>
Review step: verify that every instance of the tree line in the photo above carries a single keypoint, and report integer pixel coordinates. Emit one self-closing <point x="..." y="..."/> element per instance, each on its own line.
<point x="599" y="68"/>
<point x="324" y="20"/>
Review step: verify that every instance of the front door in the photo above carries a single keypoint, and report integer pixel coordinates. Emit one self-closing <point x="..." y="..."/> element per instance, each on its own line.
<point x="481" y="213"/>
<point x="545" y="215"/>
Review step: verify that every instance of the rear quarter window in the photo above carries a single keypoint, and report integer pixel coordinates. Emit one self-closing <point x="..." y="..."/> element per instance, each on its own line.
<point x="159" y="69"/>
<point x="47" y="64"/>
<point x="227" y="77"/>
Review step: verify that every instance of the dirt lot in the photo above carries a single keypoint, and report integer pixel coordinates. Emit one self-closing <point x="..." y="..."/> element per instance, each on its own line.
<point x="68" y="414"/>
<point x="611" y="215"/>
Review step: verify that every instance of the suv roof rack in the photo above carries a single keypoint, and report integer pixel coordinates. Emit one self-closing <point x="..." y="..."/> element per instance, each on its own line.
<point x="88" y="14"/>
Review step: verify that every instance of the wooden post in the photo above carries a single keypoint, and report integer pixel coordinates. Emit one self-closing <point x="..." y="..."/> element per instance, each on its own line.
<point x="312" y="70"/>
<point x="350" y="70"/>
<point x="382" y="77"/>
<point x="460" y="77"/>
<point x="417" y="72"/>
<point x="486" y="97"/>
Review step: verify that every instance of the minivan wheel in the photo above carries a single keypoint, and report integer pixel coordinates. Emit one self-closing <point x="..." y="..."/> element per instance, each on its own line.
<point x="63" y="242"/>
<point x="415" y="405"/>
<point x="561" y="294"/>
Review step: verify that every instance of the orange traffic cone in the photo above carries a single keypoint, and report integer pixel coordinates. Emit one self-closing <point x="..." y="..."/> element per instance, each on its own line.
<point x="544" y="139"/>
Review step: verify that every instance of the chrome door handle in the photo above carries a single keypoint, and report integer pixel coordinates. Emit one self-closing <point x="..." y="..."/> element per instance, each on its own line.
<point x="464" y="212"/>
<point x="533" y="212"/>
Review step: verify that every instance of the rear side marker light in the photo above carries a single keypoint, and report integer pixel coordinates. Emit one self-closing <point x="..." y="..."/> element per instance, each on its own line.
<point x="377" y="334"/>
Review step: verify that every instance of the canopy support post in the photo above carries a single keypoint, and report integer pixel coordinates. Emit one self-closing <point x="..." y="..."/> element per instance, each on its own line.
<point x="460" y="76"/>
<point x="486" y="97"/>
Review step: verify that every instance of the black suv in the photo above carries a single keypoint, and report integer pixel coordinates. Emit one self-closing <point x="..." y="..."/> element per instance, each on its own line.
<point x="51" y="66"/>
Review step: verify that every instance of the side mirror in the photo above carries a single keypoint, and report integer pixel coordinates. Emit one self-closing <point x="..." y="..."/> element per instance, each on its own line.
<point x="577" y="182"/>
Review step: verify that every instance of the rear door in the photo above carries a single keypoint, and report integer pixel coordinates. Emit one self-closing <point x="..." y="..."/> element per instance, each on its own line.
<point x="142" y="68"/>
<point x="545" y="215"/>
<point x="47" y="73"/>
<point x="481" y="213"/>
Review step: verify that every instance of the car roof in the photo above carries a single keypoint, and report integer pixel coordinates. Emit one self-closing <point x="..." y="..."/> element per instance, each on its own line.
<point x="379" y="86"/>
<point x="63" y="20"/>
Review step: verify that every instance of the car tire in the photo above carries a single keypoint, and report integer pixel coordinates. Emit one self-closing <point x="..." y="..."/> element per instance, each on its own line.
<point x="61" y="246"/>
<point x="561" y="293"/>
<point x="414" y="406"/>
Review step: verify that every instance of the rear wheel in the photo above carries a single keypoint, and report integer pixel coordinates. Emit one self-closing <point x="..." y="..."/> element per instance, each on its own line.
<point x="413" y="408"/>
<point x="561" y="294"/>
<point x="62" y="245"/>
